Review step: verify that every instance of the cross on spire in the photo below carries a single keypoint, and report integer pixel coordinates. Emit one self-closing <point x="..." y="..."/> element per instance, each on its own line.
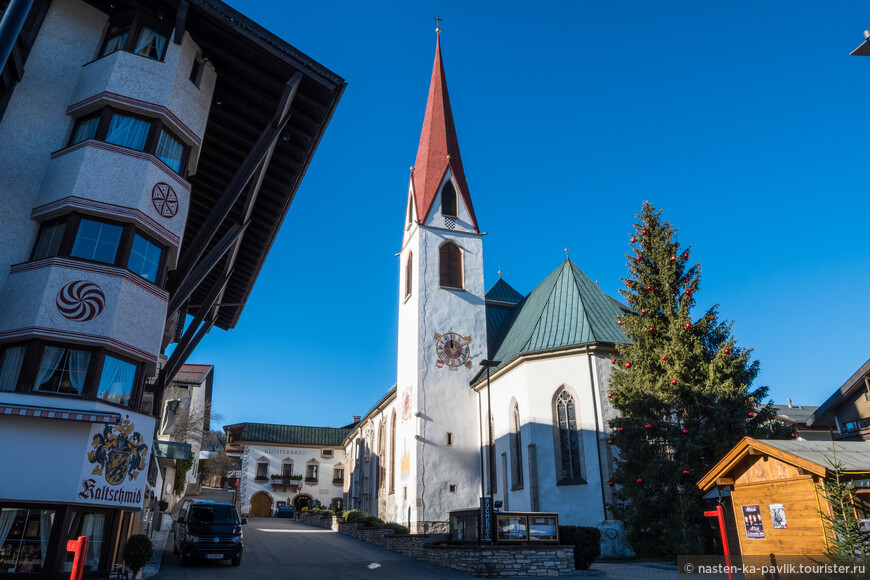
<point x="438" y="22"/>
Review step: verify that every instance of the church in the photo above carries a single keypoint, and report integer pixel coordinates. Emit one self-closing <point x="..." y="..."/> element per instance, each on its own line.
<point x="496" y="393"/>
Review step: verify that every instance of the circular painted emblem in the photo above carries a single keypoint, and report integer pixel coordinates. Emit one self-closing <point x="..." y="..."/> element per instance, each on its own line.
<point x="80" y="301"/>
<point x="164" y="199"/>
<point x="452" y="349"/>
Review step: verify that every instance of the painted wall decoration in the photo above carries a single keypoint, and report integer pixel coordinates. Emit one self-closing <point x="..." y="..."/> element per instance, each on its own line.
<point x="164" y="199"/>
<point x="452" y="350"/>
<point x="406" y="463"/>
<point x="752" y="522"/>
<point x="117" y="454"/>
<point x="406" y="404"/>
<point x="80" y="301"/>
<point x="777" y="515"/>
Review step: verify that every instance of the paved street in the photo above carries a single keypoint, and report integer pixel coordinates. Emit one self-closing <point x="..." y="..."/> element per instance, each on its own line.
<point x="282" y="548"/>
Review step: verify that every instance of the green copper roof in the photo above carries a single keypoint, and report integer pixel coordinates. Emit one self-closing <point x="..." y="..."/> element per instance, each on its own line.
<point x="566" y="309"/>
<point x="292" y="434"/>
<point x="503" y="292"/>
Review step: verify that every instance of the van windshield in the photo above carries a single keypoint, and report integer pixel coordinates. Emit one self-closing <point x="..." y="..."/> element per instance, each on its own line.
<point x="213" y="514"/>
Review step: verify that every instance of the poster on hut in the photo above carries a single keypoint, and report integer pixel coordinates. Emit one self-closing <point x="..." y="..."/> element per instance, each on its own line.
<point x="752" y="521"/>
<point x="777" y="516"/>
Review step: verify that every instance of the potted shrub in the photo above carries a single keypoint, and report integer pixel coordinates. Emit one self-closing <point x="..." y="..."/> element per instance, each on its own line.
<point x="136" y="553"/>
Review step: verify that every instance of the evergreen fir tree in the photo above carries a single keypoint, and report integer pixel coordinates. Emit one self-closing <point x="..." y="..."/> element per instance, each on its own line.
<point x="684" y="395"/>
<point x="846" y="543"/>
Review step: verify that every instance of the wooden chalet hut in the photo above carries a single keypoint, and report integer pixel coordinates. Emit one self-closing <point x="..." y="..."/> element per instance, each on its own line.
<point x="775" y="499"/>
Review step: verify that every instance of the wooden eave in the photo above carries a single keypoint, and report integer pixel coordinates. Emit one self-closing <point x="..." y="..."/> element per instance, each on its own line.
<point x="747" y="446"/>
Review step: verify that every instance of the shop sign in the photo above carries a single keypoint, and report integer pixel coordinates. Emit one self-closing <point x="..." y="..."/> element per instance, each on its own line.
<point x="114" y="461"/>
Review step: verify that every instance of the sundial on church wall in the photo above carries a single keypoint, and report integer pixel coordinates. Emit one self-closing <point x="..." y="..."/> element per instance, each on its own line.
<point x="452" y="350"/>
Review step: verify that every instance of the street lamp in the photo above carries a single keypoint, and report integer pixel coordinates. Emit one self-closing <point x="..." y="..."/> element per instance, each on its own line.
<point x="489" y="364"/>
<point x="864" y="49"/>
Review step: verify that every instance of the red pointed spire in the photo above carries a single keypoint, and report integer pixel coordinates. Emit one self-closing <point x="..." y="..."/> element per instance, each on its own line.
<point x="439" y="147"/>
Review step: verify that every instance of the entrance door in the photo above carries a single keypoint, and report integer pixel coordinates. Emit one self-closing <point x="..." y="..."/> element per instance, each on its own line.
<point x="261" y="505"/>
<point x="301" y="501"/>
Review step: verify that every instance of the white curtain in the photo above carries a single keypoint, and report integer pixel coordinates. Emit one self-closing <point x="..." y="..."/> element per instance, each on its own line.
<point x="7" y="516"/>
<point x="51" y="356"/>
<point x="170" y="151"/>
<point x="78" y="368"/>
<point x="128" y="132"/>
<point x="10" y="366"/>
<point x="92" y="526"/>
<point x="116" y="384"/>
<point x="46" y="520"/>
<point x="151" y="44"/>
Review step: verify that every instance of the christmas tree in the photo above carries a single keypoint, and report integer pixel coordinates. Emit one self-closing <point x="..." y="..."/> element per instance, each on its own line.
<point x="683" y="390"/>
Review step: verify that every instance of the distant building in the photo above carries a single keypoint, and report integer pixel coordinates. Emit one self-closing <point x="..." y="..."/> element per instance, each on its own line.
<point x="798" y="415"/>
<point x="149" y="152"/>
<point x="287" y="465"/>
<point x="847" y="410"/>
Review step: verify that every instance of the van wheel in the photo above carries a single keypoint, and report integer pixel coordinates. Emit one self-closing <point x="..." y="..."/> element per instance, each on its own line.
<point x="237" y="561"/>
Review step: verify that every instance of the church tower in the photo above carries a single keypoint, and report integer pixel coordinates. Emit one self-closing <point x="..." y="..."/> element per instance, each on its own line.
<point x="442" y="328"/>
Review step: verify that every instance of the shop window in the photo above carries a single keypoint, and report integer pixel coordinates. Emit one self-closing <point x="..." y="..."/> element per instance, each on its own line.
<point x="94" y="526"/>
<point x="137" y="132"/>
<point x="117" y="381"/>
<point x="145" y="258"/>
<point x="63" y="370"/>
<point x="96" y="240"/>
<point x="24" y="536"/>
<point x="11" y="359"/>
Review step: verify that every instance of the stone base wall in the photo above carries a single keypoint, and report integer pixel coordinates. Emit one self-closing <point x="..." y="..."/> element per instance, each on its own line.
<point x="481" y="561"/>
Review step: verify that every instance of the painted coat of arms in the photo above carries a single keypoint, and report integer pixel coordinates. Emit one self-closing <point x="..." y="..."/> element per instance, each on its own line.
<point x="119" y="452"/>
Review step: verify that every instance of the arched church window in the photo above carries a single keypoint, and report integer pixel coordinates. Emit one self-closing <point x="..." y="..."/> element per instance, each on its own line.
<point x="448" y="199"/>
<point x="382" y="457"/>
<point x="493" y="475"/>
<point x="516" y="448"/>
<point x="393" y="452"/>
<point x="569" y="451"/>
<point x="409" y="274"/>
<point x="450" y="258"/>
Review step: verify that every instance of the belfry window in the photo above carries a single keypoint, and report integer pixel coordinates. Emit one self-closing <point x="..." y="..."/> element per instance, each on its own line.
<point x="569" y="456"/>
<point x="450" y="258"/>
<point x="448" y="199"/>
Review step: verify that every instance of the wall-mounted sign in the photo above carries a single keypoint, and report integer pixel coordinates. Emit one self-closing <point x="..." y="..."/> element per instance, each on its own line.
<point x="116" y="456"/>
<point x="164" y="199"/>
<point x="752" y="522"/>
<point x="80" y="301"/>
<point x="777" y="516"/>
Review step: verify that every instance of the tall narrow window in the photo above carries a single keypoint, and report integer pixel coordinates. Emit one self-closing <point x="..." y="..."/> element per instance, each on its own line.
<point x="409" y="274"/>
<point x="516" y="449"/>
<point x="11" y="359"/>
<point x="50" y="237"/>
<point x="493" y="477"/>
<point x="393" y="452"/>
<point x="262" y="470"/>
<point x="382" y="457"/>
<point x="145" y="258"/>
<point x="448" y="199"/>
<point x="570" y="453"/>
<point x="451" y="265"/>
<point x="170" y="150"/>
<point x="117" y="381"/>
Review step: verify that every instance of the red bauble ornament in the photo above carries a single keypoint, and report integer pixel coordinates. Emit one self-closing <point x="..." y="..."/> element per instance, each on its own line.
<point x="627" y="285"/>
<point x="619" y="322"/>
<point x="688" y="292"/>
<point x="673" y="258"/>
<point x="686" y="256"/>
<point x="643" y="311"/>
<point x="750" y="414"/>
<point x="663" y="357"/>
<point x="640" y="480"/>
<point x="613" y="361"/>
<point x="685" y="472"/>
<point x="642" y="396"/>
<point x="688" y="325"/>
<point x="648" y="425"/>
<point x="628" y="365"/>
<point x="649" y="287"/>
<point x="727" y="351"/>
<point x="674" y="381"/>
<point x="652" y="328"/>
<point x="794" y="435"/>
<point x="633" y="239"/>
<point x="620" y="429"/>
<point x="609" y="395"/>
<point x="644" y="232"/>
<point x="610" y="483"/>
<point x="639" y="258"/>
<point x="685" y="431"/>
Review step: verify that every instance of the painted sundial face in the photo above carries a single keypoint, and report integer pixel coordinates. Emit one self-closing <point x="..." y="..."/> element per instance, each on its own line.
<point x="452" y="349"/>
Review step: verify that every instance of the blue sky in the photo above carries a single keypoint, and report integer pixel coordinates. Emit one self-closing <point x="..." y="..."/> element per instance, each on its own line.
<point x="746" y="122"/>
